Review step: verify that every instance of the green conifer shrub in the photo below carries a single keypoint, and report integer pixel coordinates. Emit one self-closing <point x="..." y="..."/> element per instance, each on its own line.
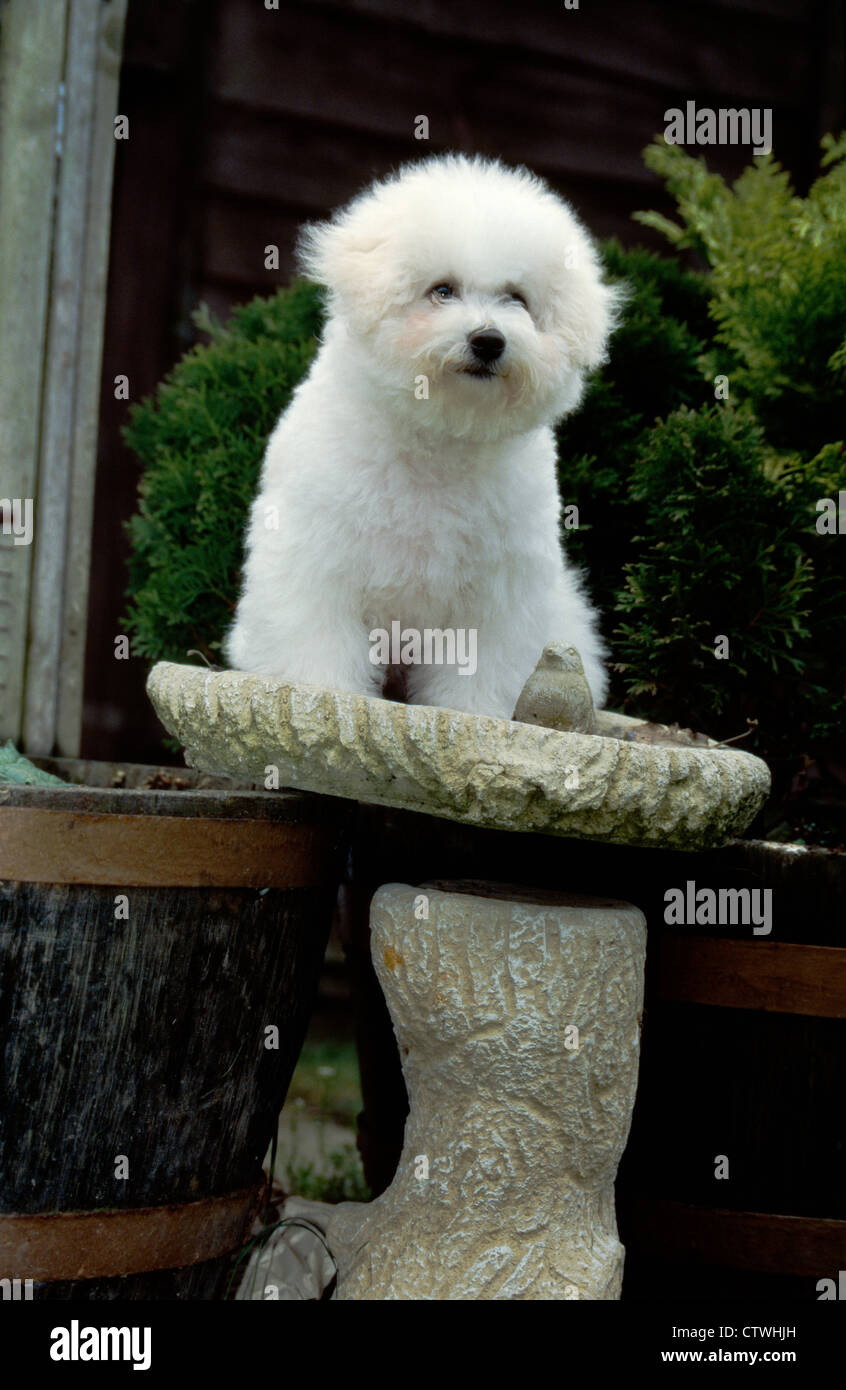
<point x="777" y="284"/>
<point x="201" y="437"/>
<point x="719" y="557"/>
<point x="776" y="280"/>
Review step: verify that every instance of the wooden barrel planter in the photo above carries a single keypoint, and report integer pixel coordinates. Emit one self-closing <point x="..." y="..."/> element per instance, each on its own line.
<point x="161" y="938"/>
<point x="732" y="1185"/>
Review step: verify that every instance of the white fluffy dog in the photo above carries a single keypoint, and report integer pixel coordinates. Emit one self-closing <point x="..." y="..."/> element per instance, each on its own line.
<point x="410" y="486"/>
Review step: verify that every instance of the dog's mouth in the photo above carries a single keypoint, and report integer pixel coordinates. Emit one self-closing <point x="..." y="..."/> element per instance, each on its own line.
<point x="481" y="371"/>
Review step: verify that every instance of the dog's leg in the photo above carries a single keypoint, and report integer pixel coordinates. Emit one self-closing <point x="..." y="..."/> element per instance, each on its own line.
<point x="491" y="689"/>
<point x="313" y="641"/>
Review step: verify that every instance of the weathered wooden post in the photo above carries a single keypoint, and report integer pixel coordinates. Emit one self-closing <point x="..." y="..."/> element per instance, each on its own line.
<point x="59" y="69"/>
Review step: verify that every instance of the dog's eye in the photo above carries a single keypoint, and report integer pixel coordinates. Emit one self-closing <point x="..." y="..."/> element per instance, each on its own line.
<point x="443" y="292"/>
<point x="517" y="296"/>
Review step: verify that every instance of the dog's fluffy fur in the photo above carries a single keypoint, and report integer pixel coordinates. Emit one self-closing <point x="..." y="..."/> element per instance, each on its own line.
<point x="408" y="481"/>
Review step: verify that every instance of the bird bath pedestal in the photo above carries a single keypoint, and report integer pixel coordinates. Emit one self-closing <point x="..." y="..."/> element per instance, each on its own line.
<point x="517" y="1016"/>
<point x="517" y="1012"/>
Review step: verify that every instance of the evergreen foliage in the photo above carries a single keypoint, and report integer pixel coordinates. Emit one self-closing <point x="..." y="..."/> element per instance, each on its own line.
<point x="201" y="438"/>
<point x="719" y="556"/>
<point x="777" y="284"/>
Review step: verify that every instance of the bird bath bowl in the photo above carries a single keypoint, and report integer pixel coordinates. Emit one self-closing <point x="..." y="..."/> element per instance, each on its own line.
<point x="465" y="767"/>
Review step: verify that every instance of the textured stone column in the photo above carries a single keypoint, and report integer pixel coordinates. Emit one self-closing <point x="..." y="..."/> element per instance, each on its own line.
<point x="518" y="1020"/>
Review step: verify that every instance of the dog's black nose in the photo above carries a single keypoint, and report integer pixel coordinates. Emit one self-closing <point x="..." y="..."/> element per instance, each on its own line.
<point x="487" y="344"/>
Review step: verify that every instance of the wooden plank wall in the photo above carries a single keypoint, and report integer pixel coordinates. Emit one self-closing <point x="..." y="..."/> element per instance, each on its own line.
<point x="247" y="120"/>
<point x="59" y="85"/>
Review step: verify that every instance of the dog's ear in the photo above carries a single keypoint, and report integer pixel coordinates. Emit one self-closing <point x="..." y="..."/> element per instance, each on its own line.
<point x="354" y="255"/>
<point x="588" y="311"/>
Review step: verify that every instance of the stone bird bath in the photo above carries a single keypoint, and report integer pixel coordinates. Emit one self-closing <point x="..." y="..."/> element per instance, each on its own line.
<point x="517" y="1012"/>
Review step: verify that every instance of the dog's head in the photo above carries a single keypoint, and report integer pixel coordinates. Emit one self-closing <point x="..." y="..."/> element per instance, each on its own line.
<point x="469" y="291"/>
